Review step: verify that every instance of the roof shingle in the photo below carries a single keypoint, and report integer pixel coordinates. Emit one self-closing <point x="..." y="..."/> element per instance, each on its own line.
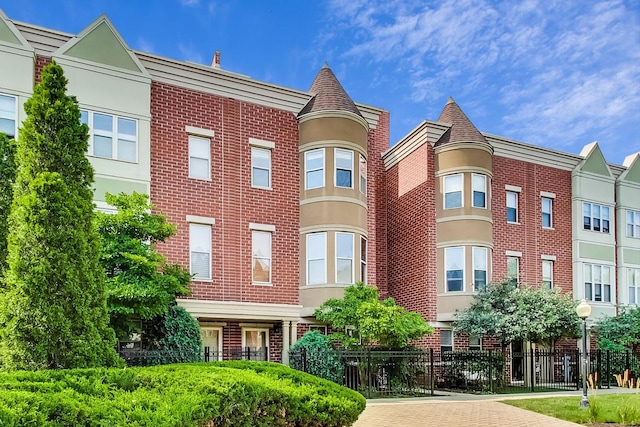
<point x="461" y="130"/>
<point x="329" y="95"/>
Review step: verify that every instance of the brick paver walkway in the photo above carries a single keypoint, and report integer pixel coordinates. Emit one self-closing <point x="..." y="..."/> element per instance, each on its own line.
<point x="425" y="413"/>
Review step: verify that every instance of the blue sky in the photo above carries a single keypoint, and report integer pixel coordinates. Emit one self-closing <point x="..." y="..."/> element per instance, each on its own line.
<point x="557" y="73"/>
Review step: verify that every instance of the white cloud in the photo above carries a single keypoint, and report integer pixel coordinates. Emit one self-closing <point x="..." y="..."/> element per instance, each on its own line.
<point x="144" y="45"/>
<point x="190" y="53"/>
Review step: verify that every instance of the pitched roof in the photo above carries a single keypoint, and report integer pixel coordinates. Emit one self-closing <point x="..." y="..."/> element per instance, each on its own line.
<point x="461" y="130"/>
<point x="329" y="94"/>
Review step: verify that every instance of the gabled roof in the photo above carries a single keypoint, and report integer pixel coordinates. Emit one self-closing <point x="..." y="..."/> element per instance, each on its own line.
<point x="594" y="161"/>
<point x="329" y="95"/>
<point x="9" y="34"/>
<point x="101" y="43"/>
<point x="632" y="173"/>
<point x="461" y="130"/>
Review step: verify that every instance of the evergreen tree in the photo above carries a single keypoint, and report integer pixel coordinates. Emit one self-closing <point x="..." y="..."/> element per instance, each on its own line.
<point x="7" y="177"/>
<point x="53" y="311"/>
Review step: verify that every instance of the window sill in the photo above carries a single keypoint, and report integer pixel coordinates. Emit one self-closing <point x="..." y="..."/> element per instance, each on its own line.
<point x="131" y="162"/>
<point x="261" y="284"/>
<point x="202" y="280"/>
<point x="257" y="187"/>
<point x="200" y="179"/>
<point x="514" y="223"/>
<point x="548" y="228"/>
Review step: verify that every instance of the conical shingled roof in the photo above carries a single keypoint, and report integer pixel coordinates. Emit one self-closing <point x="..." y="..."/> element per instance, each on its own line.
<point x="329" y="95"/>
<point x="461" y="130"/>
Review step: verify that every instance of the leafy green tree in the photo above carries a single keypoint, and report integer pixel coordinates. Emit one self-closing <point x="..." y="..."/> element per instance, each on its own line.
<point x="8" y="172"/>
<point x="510" y="313"/>
<point x="53" y="311"/>
<point x="140" y="284"/>
<point x="621" y="332"/>
<point x="361" y="319"/>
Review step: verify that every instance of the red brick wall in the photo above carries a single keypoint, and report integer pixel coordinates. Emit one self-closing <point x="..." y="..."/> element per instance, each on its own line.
<point x="529" y="237"/>
<point x="228" y="197"/>
<point x="411" y="235"/>
<point x="377" y="213"/>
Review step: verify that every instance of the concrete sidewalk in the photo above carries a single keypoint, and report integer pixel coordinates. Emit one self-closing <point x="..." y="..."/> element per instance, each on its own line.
<point x="457" y="409"/>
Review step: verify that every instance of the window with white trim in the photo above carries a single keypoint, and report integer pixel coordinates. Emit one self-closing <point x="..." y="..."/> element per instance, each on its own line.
<point x="547" y="212"/>
<point x="261" y="256"/>
<point x="363" y="259"/>
<point x="479" y="194"/>
<point x="475" y="342"/>
<point x="8" y="115"/>
<point x="199" y="157"/>
<point x="255" y="343"/>
<point x="344" y="258"/>
<point x="512" y="206"/>
<point x="454" y="269"/>
<point x="260" y="167"/>
<point x="314" y="169"/>
<point x="446" y="340"/>
<point x="633" y="281"/>
<point x="363" y="175"/>
<point x="513" y="269"/>
<point x="597" y="282"/>
<point x="316" y="258"/>
<point x="479" y="268"/>
<point x="547" y="274"/>
<point x="200" y="251"/>
<point x="344" y="168"/>
<point x="321" y="329"/>
<point x="111" y="137"/>
<point x="453" y="191"/>
<point x="633" y="224"/>
<point x="595" y="217"/>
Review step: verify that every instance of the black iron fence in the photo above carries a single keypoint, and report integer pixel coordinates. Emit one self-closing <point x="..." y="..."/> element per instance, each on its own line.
<point x="422" y="372"/>
<point x="138" y="357"/>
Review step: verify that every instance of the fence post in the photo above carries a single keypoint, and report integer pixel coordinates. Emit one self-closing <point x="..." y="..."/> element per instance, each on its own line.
<point x="532" y="368"/>
<point x="608" y="370"/>
<point x="369" y="373"/>
<point x="626" y="362"/>
<point x="432" y="379"/>
<point x="490" y="371"/>
<point x="599" y="368"/>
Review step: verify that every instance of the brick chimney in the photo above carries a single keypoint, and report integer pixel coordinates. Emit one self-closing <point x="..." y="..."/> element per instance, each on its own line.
<point x="216" y="60"/>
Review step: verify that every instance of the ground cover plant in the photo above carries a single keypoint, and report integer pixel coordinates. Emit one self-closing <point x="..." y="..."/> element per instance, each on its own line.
<point x="240" y="393"/>
<point x="620" y="409"/>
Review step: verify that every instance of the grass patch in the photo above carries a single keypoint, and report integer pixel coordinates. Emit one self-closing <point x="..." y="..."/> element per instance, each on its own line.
<point x="606" y="408"/>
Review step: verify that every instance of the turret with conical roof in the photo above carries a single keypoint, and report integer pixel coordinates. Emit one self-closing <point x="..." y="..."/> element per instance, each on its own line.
<point x="333" y="192"/>
<point x="464" y="169"/>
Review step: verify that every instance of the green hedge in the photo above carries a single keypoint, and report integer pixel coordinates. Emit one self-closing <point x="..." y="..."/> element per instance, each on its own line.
<point x="239" y="393"/>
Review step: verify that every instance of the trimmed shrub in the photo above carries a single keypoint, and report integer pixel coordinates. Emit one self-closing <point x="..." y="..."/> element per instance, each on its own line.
<point x="314" y="354"/>
<point x="241" y="393"/>
<point x="173" y="338"/>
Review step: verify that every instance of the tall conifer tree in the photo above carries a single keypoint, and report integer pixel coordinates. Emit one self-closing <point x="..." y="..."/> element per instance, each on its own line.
<point x="7" y="177"/>
<point x="53" y="309"/>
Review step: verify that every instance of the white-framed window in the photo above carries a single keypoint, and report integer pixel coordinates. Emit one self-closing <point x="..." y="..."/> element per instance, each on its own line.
<point x="633" y="224"/>
<point x="111" y="137"/>
<point x="261" y="256"/>
<point x="454" y="269"/>
<point x="200" y="251"/>
<point x="480" y="271"/>
<point x="316" y="258"/>
<point x="344" y="168"/>
<point x="212" y="343"/>
<point x="547" y="212"/>
<point x="475" y="342"/>
<point x="260" y="167"/>
<point x="513" y="269"/>
<point x="453" y="191"/>
<point x="199" y="157"/>
<point x="597" y="282"/>
<point x="633" y="281"/>
<point x="512" y="206"/>
<point x="479" y="194"/>
<point x="547" y="274"/>
<point x="321" y="329"/>
<point x="314" y="169"/>
<point x="363" y="259"/>
<point x="8" y="115"/>
<point x="344" y="258"/>
<point x="363" y="175"/>
<point x="446" y="340"/>
<point x="255" y="343"/>
<point x="595" y="217"/>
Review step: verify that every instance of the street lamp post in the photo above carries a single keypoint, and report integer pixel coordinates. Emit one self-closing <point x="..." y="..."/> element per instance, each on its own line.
<point x="584" y="310"/>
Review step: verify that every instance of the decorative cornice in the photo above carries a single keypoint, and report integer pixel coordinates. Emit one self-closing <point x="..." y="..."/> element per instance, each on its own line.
<point x="468" y="169"/>
<point x="475" y="145"/>
<point x="240" y="310"/>
<point x="335" y="114"/>
<point x="340" y="199"/>
<point x="455" y="243"/>
<point x="334" y="227"/>
<point x="334" y="143"/>
<point x="464" y="218"/>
